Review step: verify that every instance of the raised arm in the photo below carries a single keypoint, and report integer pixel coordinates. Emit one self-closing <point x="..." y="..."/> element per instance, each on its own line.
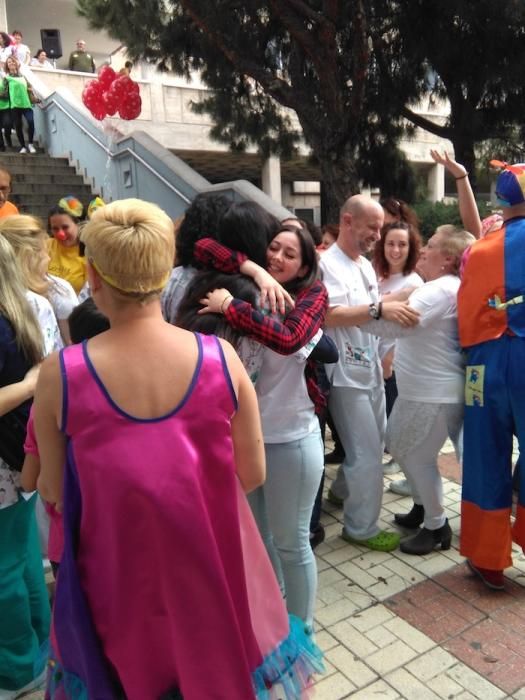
<point x="468" y="209"/>
<point x="284" y="337"/>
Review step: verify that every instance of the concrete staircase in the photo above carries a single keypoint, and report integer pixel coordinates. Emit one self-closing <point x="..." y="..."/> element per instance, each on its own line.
<point x="39" y="181"/>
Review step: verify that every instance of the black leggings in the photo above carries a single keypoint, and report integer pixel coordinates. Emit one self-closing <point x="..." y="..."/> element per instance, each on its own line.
<point x="28" y="116"/>
<point x="6" y="124"/>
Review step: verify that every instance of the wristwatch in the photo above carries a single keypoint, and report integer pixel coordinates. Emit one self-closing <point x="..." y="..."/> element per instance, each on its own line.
<point x="374" y="311"/>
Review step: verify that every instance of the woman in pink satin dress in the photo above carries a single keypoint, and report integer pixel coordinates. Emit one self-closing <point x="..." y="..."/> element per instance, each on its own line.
<point x="148" y="436"/>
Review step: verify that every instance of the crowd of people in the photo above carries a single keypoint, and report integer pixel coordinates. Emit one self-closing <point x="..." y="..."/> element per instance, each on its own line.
<point x="176" y="437"/>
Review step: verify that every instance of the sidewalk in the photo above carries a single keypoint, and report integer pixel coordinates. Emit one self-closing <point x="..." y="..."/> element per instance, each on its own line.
<point x="416" y="628"/>
<point x="421" y="628"/>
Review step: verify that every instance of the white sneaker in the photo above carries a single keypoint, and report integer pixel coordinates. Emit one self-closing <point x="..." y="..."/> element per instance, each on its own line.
<point x="23" y="150"/>
<point x="35" y="684"/>
<point x="401" y="487"/>
<point x="31" y="148"/>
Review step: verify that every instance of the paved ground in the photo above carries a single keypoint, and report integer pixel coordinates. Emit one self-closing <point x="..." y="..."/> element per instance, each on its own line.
<point x="418" y="628"/>
<point x="399" y="626"/>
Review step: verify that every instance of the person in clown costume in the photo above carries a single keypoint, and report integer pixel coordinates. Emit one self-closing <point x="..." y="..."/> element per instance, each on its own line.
<point x="491" y="317"/>
<point x="64" y="247"/>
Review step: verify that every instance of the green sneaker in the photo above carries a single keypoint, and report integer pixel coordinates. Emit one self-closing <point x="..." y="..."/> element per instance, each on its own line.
<point x="382" y="542"/>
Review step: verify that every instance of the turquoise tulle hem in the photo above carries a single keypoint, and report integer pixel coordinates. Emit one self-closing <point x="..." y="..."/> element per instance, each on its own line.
<point x="291" y="666"/>
<point x="62" y="685"/>
<point x="289" y="669"/>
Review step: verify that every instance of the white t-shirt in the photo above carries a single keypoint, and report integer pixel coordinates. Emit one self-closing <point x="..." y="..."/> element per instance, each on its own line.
<point x="287" y="412"/>
<point x="351" y="283"/>
<point x="62" y="297"/>
<point x="429" y="363"/>
<point x="394" y="283"/>
<point x="47" y="322"/>
<point x="22" y="53"/>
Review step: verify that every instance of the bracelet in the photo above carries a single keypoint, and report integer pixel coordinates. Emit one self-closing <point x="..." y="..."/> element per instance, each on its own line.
<point x="461" y="177"/>
<point x="228" y="296"/>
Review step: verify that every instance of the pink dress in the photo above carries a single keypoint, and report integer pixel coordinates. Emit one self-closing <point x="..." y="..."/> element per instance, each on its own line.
<point x="165" y="589"/>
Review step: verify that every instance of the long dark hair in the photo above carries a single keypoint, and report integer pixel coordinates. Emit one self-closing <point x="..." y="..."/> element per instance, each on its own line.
<point x="201" y="220"/>
<point x="239" y="286"/>
<point x="380" y="262"/>
<point x="308" y="259"/>
<point x="248" y="228"/>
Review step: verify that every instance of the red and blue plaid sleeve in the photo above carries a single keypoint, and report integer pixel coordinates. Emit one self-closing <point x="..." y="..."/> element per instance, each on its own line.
<point x="211" y="253"/>
<point x="290" y="334"/>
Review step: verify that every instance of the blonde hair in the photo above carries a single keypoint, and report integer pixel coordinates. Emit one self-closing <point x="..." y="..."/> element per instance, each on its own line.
<point x="454" y="242"/>
<point x="28" y="237"/>
<point x="15" y="307"/>
<point x="130" y="243"/>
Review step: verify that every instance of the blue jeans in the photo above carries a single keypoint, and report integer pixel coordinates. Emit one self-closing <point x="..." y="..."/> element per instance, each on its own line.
<point x="282" y="508"/>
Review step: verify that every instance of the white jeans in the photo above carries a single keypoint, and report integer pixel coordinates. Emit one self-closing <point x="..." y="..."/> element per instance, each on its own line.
<point x="360" y="419"/>
<point x="420" y="461"/>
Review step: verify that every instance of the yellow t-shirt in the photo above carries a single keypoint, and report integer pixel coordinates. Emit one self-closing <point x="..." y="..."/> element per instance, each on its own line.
<point x="67" y="263"/>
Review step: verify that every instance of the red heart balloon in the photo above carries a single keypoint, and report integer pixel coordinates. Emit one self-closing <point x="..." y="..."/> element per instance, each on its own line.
<point x="106" y="76"/>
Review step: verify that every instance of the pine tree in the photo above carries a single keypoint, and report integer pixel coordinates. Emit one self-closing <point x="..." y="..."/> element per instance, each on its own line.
<point x="280" y="70"/>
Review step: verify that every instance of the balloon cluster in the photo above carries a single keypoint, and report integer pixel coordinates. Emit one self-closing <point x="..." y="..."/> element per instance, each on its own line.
<point x="111" y="93"/>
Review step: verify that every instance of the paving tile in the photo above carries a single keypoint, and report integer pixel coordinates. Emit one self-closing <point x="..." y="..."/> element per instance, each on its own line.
<point x="433" y="566"/>
<point x="333" y="687"/>
<point x="404" y="570"/>
<point x="391" y="657"/>
<point x="410" y="635"/>
<point x="373" y="616"/>
<point x="444" y="687"/>
<point x="380" y="636"/>
<point x="329" y="577"/>
<point x="475" y="684"/>
<point x="356" y="573"/>
<point x="387" y="587"/>
<point x="331" y="614"/>
<point x="409" y="686"/>
<point x="349" y="665"/>
<point x="432" y="664"/>
<point x="325" y="640"/>
<point x="377" y="691"/>
<point x="328" y="595"/>
<point x="352" y="639"/>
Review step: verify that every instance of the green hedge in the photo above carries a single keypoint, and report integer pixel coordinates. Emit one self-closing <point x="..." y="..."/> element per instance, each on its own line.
<point x="431" y="215"/>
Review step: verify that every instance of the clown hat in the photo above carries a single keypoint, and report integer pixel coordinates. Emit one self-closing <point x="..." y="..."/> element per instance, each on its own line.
<point x="510" y="185"/>
<point x="95" y="204"/>
<point x="72" y="206"/>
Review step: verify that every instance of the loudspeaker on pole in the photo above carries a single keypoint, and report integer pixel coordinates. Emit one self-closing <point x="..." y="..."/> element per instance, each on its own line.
<point x="51" y="42"/>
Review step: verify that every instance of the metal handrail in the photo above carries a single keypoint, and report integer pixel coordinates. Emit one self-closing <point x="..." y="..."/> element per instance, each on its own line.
<point x="118" y="154"/>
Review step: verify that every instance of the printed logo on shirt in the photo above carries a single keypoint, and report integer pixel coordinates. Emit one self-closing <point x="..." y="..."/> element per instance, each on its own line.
<point x="474" y="384"/>
<point x="355" y="355"/>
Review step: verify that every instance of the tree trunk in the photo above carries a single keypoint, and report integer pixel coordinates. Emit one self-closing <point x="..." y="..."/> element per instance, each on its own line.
<point x="464" y="154"/>
<point x="338" y="182"/>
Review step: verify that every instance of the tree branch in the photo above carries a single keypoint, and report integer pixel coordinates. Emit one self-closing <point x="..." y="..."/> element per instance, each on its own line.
<point x="444" y="132"/>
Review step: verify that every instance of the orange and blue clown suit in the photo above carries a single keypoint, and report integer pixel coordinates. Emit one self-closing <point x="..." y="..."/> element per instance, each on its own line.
<point x="491" y="316"/>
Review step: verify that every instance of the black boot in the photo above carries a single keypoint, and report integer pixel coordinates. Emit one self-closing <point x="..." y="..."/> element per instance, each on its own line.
<point x="425" y="540"/>
<point x="411" y="520"/>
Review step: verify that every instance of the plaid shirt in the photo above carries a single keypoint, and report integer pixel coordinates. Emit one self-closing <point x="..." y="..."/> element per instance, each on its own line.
<point x="284" y="337"/>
